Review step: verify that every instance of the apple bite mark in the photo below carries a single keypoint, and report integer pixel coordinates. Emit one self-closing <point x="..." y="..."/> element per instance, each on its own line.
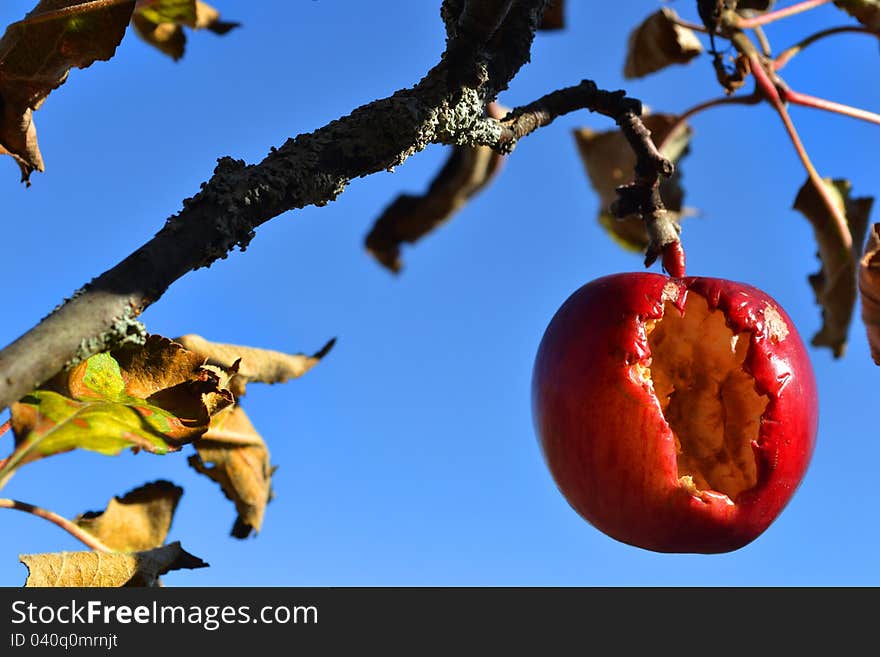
<point x="708" y="398"/>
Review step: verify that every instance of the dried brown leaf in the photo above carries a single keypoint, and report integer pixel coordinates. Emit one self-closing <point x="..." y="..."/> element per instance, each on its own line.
<point x="867" y="12"/>
<point x="140" y="520"/>
<point x="610" y="162"/>
<point x="36" y="55"/>
<point x="103" y="569"/>
<point x="659" y="42"/>
<point x="467" y="171"/>
<point x="251" y="363"/>
<point x="835" y="283"/>
<point x="239" y="461"/>
<point x="554" y="16"/>
<point x="869" y="287"/>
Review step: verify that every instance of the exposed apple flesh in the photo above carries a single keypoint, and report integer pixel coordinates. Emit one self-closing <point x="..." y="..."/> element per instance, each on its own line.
<point x="678" y="415"/>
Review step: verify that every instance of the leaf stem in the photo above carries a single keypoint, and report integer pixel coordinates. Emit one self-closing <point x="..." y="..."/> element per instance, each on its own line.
<point x="70" y="527"/>
<point x="696" y="27"/>
<point x="771" y="16"/>
<point x="763" y="41"/>
<point x="752" y="99"/>
<point x="797" y="98"/>
<point x="783" y="58"/>
<point x="771" y="92"/>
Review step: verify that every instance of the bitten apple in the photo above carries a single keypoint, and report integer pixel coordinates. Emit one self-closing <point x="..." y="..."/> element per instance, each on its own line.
<point x="675" y="414"/>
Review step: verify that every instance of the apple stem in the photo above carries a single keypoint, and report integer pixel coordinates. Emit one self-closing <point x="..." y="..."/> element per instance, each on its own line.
<point x="70" y="527"/>
<point x="673" y="259"/>
<point x="771" y="16"/>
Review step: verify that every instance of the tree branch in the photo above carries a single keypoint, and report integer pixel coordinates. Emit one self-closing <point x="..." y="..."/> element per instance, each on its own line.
<point x="311" y="169"/>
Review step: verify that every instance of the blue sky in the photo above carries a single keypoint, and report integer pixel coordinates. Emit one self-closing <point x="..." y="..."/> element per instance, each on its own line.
<point x="408" y="456"/>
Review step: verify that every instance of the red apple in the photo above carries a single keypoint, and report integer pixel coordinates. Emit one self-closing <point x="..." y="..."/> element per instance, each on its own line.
<point x="675" y="414"/>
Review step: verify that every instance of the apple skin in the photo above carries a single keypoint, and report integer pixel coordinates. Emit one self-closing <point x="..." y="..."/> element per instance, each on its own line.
<point x="603" y="434"/>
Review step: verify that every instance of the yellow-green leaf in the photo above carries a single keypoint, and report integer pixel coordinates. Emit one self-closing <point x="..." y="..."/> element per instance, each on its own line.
<point x="106" y="569"/>
<point x="155" y="396"/>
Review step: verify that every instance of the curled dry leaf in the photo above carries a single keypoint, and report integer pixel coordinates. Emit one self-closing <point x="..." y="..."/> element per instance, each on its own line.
<point x="36" y="55"/>
<point x="869" y="287"/>
<point x="139" y="520"/>
<point x="554" y="16"/>
<point x="234" y="455"/>
<point x="467" y="171"/>
<point x="160" y="23"/>
<point x="867" y="12"/>
<point x="610" y="162"/>
<point x="835" y="283"/>
<point x="155" y="397"/>
<point x="659" y="42"/>
<point x="251" y="363"/>
<point x="103" y="569"/>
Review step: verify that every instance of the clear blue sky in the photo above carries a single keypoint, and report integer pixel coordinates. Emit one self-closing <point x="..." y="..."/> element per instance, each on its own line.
<point x="408" y="456"/>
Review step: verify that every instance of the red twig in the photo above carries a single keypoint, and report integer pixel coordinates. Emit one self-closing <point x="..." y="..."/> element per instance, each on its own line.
<point x="70" y="527"/>
<point x="797" y="98"/>
<point x="771" y="92"/>
<point x="771" y="16"/>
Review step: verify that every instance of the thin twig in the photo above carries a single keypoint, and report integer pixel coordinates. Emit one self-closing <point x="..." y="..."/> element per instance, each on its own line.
<point x="763" y="41"/>
<point x="772" y="94"/>
<point x="642" y="196"/>
<point x="783" y="58"/>
<point x="70" y="527"/>
<point x="5" y="426"/>
<point x="696" y="27"/>
<point x="752" y="99"/>
<point x="797" y="98"/>
<point x="771" y="16"/>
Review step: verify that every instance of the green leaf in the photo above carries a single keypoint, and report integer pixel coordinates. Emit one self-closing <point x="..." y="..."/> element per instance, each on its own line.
<point x="156" y="397"/>
<point x="835" y="284"/>
<point x="867" y="12"/>
<point x="36" y="55"/>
